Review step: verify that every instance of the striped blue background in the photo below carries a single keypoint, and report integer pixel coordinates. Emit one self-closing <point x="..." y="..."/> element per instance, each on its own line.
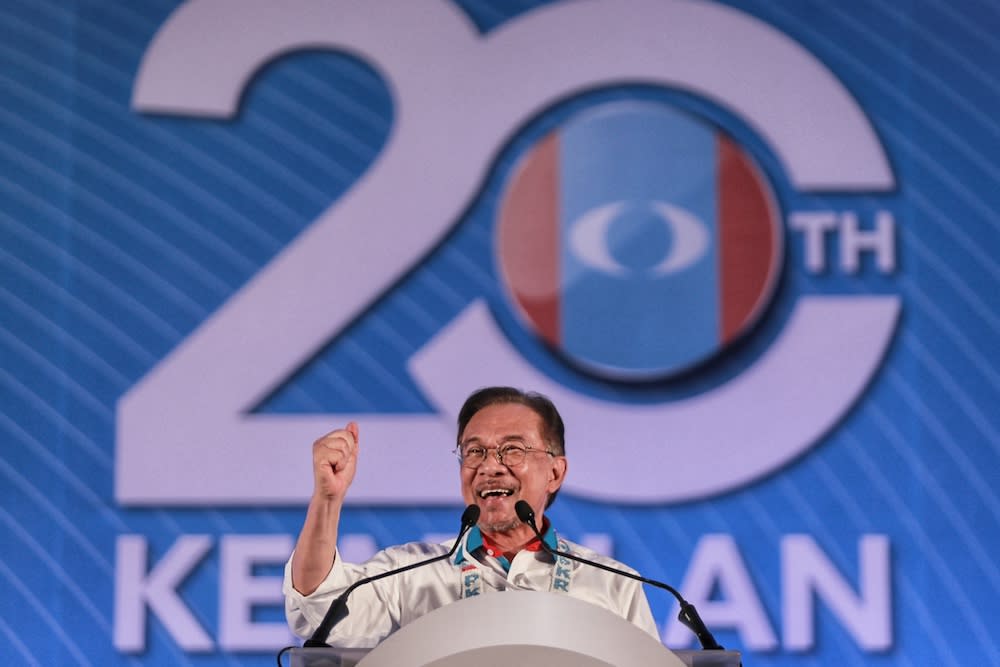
<point x="121" y="233"/>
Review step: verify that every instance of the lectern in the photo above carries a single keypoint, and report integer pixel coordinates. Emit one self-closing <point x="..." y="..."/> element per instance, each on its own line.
<point x="524" y="628"/>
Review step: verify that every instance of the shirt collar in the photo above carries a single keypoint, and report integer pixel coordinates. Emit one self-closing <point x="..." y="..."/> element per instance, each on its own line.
<point x="475" y="540"/>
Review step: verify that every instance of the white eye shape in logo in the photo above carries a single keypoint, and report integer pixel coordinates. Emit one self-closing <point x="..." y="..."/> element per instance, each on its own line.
<point x="589" y="238"/>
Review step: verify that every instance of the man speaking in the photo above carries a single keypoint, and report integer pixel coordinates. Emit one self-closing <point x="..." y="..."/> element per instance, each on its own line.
<point x="511" y="448"/>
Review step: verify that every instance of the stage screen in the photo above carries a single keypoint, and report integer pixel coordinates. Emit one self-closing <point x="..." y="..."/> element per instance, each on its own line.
<point x="748" y="248"/>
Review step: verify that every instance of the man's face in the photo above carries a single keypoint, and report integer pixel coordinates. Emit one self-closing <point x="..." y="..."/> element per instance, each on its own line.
<point x="532" y="480"/>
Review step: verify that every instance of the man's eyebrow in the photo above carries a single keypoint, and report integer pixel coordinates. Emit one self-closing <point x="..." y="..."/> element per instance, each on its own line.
<point x="475" y="439"/>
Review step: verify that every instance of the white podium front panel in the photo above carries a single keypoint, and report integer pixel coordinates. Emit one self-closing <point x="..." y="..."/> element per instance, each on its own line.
<point x="522" y="628"/>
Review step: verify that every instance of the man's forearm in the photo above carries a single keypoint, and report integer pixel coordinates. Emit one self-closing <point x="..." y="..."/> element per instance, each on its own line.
<point x="316" y="547"/>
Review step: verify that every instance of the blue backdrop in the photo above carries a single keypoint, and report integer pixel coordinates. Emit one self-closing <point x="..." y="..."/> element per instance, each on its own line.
<point x="226" y="228"/>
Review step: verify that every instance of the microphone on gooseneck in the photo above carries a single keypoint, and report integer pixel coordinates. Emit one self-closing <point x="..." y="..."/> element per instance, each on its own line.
<point x="338" y="610"/>
<point x="688" y="614"/>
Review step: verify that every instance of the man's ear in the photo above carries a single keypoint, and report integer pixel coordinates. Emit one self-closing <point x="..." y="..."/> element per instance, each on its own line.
<point x="558" y="473"/>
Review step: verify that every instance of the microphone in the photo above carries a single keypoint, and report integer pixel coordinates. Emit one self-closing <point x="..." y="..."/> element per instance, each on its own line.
<point x="338" y="609"/>
<point x="688" y="614"/>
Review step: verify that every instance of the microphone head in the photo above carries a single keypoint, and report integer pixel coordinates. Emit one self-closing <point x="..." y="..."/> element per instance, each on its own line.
<point x="470" y="516"/>
<point x="524" y="512"/>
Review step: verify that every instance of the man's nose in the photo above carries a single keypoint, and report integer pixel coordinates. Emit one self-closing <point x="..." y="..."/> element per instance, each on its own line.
<point x="491" y="463"/>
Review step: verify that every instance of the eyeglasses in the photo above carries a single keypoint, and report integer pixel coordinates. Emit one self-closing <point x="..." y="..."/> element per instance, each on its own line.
<point x="510" y="454"/>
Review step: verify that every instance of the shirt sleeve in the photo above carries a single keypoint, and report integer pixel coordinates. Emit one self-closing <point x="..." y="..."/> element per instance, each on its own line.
<point x="375" y="610"/>
<point x="370" y="616"/>
<point x="636" y="609"/>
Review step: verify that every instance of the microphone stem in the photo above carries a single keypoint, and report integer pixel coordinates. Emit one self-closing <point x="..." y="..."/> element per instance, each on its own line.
<point x="688" y="615"/>
<point x="338" y="610"/>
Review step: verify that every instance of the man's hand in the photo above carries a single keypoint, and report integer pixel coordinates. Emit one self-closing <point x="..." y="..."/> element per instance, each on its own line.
<point x="335" y="459"/>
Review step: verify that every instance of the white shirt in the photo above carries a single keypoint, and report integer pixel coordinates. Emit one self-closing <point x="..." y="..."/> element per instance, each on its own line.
<point x="380" y="608"/>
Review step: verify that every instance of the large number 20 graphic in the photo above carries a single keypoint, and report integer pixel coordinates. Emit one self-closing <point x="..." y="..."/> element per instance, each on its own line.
<point x="190" y="413"/>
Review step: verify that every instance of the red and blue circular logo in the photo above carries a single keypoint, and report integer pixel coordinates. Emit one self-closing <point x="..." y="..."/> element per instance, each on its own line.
<point x="638" y="240"/>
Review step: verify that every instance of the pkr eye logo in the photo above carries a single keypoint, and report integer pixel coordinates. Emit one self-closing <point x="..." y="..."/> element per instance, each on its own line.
<point x="638" y="241"/>
<point x="591" y="236"/>
<point x="633" y="210"/>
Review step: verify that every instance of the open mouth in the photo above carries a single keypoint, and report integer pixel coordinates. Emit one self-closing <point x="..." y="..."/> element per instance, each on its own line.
<point x="495" y="493"/>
